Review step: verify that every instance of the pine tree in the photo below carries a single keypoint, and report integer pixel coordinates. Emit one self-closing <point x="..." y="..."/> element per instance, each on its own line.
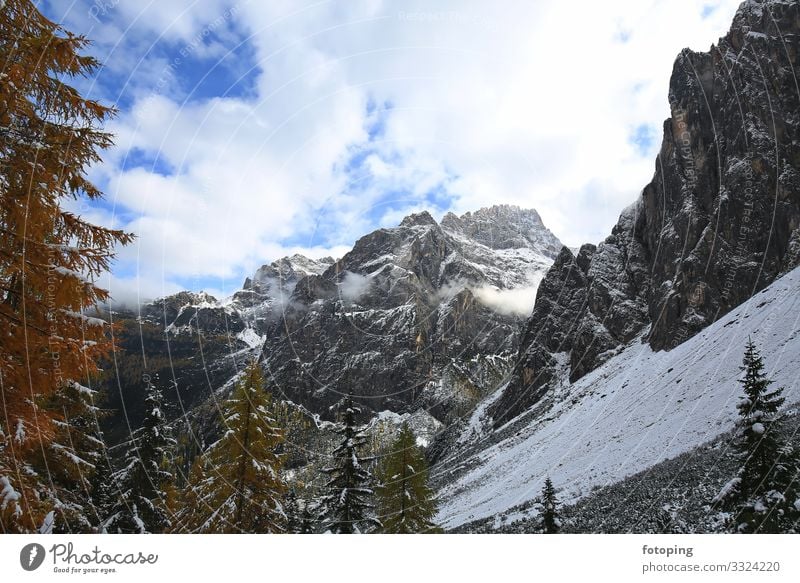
<point x="71" y="459"/>
<point x="49" y="256"/>
<point x="294" y="518"/>
<point x="764" y="494"/>
<point x="139" y="506"/>
<point x="347" y="504"/>
<point x="550" y="521"/>
<point x="307" y="520"/>
<point x="405" y="501"/>
<point x="103" y="494"/>
<point x="238" y="486"/>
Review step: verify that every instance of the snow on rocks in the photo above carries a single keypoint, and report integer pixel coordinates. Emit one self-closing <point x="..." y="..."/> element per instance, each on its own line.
<point x="639" y="408"/>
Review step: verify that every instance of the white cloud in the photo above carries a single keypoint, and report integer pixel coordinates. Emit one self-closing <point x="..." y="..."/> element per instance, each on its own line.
<point x="353" y="286"/>
<point x="530" y="103"/>
<point x="516" y="301"/>
<point x="511" y="302"/>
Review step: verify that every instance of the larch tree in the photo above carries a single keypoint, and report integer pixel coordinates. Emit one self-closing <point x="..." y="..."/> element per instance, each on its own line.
<point x="347" y="506"/>
<point x="406" y="503"/>
<point x="50" y="257"/>
<point x="550" y="521"/>
<point x="140" y="504"/>
<point x="764" y="495"/>
<point x="238" y="487"/>
<point x="191" y="512"/>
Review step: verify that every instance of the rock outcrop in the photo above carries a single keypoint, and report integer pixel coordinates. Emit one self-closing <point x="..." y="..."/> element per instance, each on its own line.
<point x="718" y="222"/>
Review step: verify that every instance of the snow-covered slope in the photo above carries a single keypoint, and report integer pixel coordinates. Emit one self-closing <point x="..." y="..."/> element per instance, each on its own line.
<point x="637" y="409"/>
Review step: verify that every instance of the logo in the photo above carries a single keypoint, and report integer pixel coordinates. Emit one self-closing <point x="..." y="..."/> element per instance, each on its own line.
<point x="31" y="556"/>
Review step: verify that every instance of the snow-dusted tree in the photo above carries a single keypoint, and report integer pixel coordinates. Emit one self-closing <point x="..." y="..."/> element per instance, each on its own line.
<point x="406" y="503"/>
<point x="238" y="487"/>
<point x="140" y="501"/>
<point x="763" y="497"/>
<point x="103" y="493"/>
<point x="72" y="458"/>
<point x="307" y="519"/>
<point x="549" y="521"/>
<point x="190" y="515"/>
<point x="49" y="256"/>
<point x="294" y="518"/>
<point x="347" y="506"/>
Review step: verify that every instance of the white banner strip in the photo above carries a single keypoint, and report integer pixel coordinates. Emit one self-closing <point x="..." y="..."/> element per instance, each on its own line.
<point x="329" y="559"/>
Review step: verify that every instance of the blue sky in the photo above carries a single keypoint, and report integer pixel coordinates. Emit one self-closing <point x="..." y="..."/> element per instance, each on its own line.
<point x="249" y="130"/>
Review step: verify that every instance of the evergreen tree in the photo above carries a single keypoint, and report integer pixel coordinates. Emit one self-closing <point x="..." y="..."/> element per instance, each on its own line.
<point x="347" y="504"/>
<point x="307" y="521"/>
<point x="294" y="518"/>
<point x="72" y="458"/>
<point x="103" y="493"/>
<point x="237" y="487"/>
<point x="763" y="496"/>
<point x="405" y="501"/>
<point x="49" y="256"/>
<point x="139" y="506"/>
<point x="550" y="521"/>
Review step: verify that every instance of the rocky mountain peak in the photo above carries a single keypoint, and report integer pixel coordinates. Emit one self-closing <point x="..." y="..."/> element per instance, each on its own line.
<point x="288" y="269"/>
<point x="719" y="221"/>
<point x="420" y="219"/>
<point x="407" y="307"/>
<point x="505" y="227"/>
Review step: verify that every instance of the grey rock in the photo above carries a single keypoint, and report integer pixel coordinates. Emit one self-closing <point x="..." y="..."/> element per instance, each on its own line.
<point x="718" y="222"/>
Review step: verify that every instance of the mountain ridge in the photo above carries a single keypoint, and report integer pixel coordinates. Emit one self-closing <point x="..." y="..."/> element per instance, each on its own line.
<point x="395" y="272"/>
<point x="719" y="221"/>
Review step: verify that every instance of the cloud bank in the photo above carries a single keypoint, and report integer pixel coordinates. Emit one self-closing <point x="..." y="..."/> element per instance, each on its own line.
<point x="252" y="130"/>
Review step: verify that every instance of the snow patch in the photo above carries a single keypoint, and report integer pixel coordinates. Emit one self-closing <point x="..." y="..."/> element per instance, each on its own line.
<point x="251" y="338"/>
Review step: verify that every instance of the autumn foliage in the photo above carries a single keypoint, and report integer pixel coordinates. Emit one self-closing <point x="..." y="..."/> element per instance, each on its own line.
<point x="49" y="256"/>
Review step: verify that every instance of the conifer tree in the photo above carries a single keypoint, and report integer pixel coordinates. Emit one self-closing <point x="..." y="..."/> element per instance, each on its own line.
<point x="294" y="518"/>
<point x="140" y="504"/>
<point x="103" y="493"/>
<point x="72" y="458"/>
<point x="405" y="501"/>
<point x="307" y="520"/>
<point x="49" y="256"/>
<point x="347" y="506"/>
<point x="550" y="522"/>
<point x="763" y="496"/>
<point x="238" y="487"/>
<point x="192" y="512"/>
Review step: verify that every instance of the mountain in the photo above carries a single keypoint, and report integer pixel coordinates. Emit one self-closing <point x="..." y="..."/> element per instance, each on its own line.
<point x="632" y="352"/>
<point x="192" y="344"/>
<point x="513" y="357"/>
<point x="423" y="317"/>
<point x="263" y="295"/>
<point x="719" y="221"/>
<point x="639" y="408"/>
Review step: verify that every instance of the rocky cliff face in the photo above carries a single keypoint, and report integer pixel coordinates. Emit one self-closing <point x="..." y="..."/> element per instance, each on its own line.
<point x="420" y="315"/>
<point x="718" y="222"/>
